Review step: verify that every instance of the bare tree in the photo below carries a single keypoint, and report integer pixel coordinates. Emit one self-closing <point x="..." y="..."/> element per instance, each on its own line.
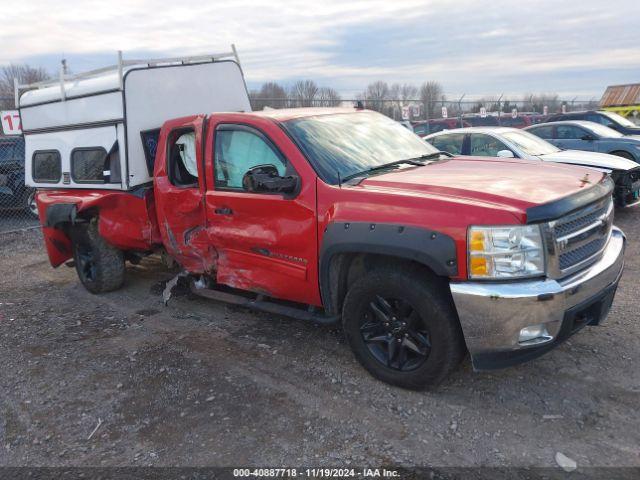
<point x="303" y="93"/>
<point x="328" y="97"/>
<point x="375" y="95"/>
<point x="271" y="94"/>
<point x="24" y="74"/>
<point x="403" y="95"/>
<point x="430" y="94"/>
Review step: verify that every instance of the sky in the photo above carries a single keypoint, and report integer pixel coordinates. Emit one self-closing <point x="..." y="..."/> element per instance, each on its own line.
<point x="479" y="48"/>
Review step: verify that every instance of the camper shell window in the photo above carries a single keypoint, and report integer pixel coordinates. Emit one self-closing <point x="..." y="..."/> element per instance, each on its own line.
<point x="46" y="166"/>
<point x="95" y="165"/>
<point x="88" y="165"/>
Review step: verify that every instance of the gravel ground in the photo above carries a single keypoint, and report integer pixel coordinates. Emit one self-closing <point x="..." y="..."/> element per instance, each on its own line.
<point x="11" y="220"/>
<point x="203" y="383"/>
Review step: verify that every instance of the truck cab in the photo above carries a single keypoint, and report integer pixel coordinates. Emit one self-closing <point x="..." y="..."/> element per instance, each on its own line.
<point x="343" y="215"/>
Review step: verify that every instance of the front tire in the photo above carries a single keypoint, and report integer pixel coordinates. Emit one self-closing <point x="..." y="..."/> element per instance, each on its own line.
<point x="100" y="266"/>
<point x="402" y="327"/>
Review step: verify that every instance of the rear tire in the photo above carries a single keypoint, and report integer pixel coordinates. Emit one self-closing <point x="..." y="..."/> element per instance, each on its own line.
<point x="623" y="154"/>
<point x="402" y="327"/>
<point x="100" y="266"/>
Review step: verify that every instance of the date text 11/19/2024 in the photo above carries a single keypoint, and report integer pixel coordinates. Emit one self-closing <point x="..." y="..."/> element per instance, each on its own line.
<point x="316" y="472"/>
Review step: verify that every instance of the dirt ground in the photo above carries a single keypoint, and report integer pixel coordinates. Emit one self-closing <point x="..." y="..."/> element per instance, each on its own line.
<point x="203" y="383"/>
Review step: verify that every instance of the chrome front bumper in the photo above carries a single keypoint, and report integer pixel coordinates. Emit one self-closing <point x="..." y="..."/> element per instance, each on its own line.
<point x="492" y="314"/>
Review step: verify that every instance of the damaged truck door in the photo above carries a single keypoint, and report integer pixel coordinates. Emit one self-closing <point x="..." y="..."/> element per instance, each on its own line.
<point x="179" y="186"/>
<point x="254" y="226"/>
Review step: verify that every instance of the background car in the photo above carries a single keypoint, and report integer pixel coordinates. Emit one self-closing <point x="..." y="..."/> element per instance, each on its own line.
<point x="603" y="117"/>
<point x="14" y="195"/>
<point x="514" y="143"/>
<point x="478" y="121"/>
<point x="588" y="136"/>
<point x="520" y="121"/>
<point x="425" y="127"/>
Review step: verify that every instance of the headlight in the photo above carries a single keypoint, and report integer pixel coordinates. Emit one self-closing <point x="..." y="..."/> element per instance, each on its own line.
<point x="505" y="252"/>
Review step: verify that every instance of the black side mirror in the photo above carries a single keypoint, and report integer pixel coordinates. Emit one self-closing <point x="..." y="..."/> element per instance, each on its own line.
<point x="588" y="137"/>
<point x="266" y="179"/>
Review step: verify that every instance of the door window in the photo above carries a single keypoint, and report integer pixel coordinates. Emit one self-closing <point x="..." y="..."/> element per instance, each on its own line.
<point x="485" y="145"/>
<point x="182" y="165"/>
<point x="543" y="132"/>
<point x="569" y="132"/>
<point x="239" y="150"/>
<point x="451" y="143"/>
<point x="601" y="119"/>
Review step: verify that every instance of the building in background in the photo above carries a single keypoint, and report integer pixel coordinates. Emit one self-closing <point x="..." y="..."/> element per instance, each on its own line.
<point x="623" y="99"/>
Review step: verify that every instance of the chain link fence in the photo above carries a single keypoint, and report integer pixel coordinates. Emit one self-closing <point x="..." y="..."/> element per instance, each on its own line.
<point x="17" y="203"/>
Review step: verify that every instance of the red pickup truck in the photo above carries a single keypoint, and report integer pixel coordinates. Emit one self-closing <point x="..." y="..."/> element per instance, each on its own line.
<point x="343" y="215"/>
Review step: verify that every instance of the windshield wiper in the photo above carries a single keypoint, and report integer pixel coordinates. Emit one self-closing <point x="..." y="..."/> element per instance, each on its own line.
<point x="417" y="161"/>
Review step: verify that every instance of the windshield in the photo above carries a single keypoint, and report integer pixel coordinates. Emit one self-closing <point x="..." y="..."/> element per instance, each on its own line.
<point x="345" y="144"/>
<point x="602" y="131"/>
<point x="530" y="144"/>
<point x="620" y="119"/>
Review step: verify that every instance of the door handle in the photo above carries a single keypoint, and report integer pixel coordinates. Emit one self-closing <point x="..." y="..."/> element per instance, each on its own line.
<point x="223" y="211"/>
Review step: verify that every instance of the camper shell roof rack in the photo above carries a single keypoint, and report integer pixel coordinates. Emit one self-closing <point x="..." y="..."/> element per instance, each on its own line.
<point x="120" y="69"/>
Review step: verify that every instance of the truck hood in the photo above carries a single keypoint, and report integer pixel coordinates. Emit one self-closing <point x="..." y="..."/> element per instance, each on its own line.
<point x="590" y="159"/>
<point x="512" y="184"/>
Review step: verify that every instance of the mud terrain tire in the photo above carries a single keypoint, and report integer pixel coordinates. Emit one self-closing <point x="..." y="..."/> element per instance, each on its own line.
<point x="100" y="266"/>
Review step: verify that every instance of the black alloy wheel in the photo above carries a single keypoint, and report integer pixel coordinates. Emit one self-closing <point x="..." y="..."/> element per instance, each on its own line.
<point x="395" y="334"/>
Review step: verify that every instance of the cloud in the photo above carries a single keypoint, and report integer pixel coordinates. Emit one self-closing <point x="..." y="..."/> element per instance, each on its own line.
<point x="468" y="45"/>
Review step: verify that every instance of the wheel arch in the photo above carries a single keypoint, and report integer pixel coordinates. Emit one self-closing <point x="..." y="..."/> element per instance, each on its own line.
<point x="350" y="249"/>
<point x="624" y="154"/>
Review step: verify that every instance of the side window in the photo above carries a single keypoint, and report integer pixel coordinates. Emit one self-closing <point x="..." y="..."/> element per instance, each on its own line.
<point x="485" y="145"/>
<point x="543" y="132"/>
<point x="569" y="132"/>
<point x="420" y="129"/>
<point x="449" y="143"/>
<point x="604" y="120"/>
<point x="150" y="146"/>
<point x="181" y="159"/>
<point x="88" y="165"/>
<point x="237" y="151"/>
<point x="47" y="166"/>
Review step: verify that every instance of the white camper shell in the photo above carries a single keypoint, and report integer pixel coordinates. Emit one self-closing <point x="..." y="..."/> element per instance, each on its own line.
<point x="99" y="129"/>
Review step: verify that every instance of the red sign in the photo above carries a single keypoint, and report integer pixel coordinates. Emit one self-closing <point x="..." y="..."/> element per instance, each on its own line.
<point x="11" y="124"/>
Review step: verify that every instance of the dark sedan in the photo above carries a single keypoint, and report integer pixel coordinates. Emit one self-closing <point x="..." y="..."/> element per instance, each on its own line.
<point x="14" y="195"/>
<point x="608" y="119"/>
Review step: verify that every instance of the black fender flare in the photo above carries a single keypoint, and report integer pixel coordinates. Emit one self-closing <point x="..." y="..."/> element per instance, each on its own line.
<point x="433" y="249"/>
<point x="60" y="213"/>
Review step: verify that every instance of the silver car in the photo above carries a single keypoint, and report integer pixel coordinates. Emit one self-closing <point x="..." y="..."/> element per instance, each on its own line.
<point x="588" y="136"/>
<point x="515" y="143"/>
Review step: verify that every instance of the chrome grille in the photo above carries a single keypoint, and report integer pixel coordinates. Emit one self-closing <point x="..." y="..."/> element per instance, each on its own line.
<point x="583" y="219"/>
<point x="573" y="257"/>
<point x="577" y="240"/>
